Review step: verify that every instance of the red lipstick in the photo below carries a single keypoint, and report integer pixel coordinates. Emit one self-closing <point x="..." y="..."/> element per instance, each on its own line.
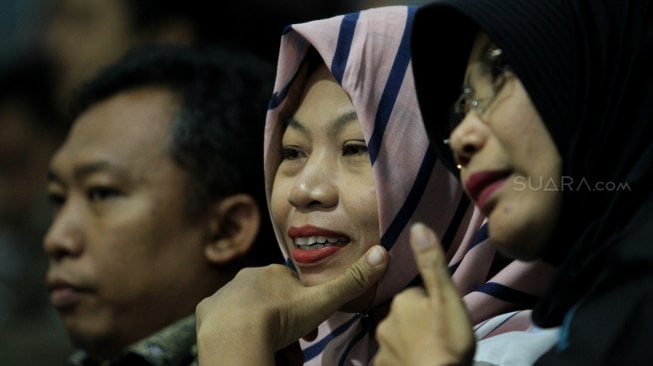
<point x="310" y="230"/>
<point x="482" y="185"/>
<point x="313" y="256"/>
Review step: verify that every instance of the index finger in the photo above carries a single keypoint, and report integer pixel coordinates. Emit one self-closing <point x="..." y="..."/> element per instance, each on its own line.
<point x="430" y="259"/>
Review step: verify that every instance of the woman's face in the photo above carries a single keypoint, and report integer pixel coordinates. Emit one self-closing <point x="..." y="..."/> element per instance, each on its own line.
<point x="509" y="164"/>
<point x="323" y="196"/>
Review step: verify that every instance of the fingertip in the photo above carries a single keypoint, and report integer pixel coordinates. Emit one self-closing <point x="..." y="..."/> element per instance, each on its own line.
<point x="422" y="237"/>
<point x="376" y="256"/>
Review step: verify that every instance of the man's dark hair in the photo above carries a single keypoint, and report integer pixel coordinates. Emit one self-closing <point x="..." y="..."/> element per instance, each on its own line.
<point x="217" y="134"/>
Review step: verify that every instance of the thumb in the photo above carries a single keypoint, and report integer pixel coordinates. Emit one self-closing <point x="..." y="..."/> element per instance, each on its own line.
<point x="317" y="303"/>
<point x="362" y="275"/>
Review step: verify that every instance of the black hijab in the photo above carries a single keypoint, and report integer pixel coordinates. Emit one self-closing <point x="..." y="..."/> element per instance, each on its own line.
<point x="587" y="65"/>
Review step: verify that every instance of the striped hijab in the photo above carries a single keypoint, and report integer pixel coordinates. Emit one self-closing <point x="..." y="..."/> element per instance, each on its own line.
<point x="368" y="54"/>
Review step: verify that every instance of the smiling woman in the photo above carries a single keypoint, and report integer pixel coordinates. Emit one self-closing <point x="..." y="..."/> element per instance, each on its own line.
<point x="348" y="165"/>
<point x="323" y="196"/>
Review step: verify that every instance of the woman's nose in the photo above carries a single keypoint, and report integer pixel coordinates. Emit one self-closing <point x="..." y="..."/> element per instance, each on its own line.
<point x="316" y="187"/>
<point x="468" y="138"/>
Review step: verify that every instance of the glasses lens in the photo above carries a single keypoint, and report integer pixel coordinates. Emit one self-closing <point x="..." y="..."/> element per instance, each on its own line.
<point x="489" y="76"/>
<point x="461" y="107"/>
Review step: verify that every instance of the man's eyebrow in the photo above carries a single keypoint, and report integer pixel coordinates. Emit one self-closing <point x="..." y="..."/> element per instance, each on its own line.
<point x="82" y="171"/>
<point x="102" y="166"/>
<point x="53" y="177"/>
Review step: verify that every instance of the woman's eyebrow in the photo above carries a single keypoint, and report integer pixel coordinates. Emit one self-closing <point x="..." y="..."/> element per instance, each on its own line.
<point x="339" y="123"/>
<point x="294" y="124"/>
<point x="335" y="126"/>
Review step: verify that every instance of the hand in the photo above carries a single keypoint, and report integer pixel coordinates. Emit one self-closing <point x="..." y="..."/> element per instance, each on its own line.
<point x="265" y="309"/>
<point x="431" y="326"/>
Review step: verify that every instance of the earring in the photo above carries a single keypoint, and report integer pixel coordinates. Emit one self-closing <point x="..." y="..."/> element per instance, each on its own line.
<point x="458" y="165"/>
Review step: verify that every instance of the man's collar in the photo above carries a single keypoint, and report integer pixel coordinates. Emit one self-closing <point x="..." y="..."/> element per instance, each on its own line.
<point x="171" y="346"/>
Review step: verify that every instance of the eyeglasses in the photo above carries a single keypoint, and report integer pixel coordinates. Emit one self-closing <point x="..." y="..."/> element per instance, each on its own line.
<point x="489" y="76"/>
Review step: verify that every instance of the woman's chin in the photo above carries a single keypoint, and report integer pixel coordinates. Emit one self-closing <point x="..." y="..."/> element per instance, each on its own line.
<point x="523" y="242"/>
<point x="356" y="305"/>
<point x="314" y="279"/>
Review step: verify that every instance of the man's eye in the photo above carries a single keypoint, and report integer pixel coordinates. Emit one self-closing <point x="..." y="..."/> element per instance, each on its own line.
<point x="56" y="199"/>
<point x="290" y="153"/>
<point x="102" y="193"/>
<point x="357" y="148"/>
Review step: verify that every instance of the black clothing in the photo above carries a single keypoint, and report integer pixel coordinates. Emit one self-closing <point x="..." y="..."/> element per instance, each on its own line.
<point x="587" y="65"/>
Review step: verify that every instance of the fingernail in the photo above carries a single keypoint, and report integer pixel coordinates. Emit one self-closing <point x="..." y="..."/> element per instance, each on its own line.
<point x="422" y="238"/>
<point x="375" y="257"/>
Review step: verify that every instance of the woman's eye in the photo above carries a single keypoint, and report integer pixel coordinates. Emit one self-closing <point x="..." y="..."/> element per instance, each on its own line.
<point x="356" y="148"/>
<point x="102" y="193"/>
<point x="290" y="153"/>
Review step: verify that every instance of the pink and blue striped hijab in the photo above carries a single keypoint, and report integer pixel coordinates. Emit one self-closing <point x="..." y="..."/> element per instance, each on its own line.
<point x="368" y="53"/>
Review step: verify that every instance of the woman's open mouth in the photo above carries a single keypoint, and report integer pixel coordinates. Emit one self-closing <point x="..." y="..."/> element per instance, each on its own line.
<point x="313" y="244"/>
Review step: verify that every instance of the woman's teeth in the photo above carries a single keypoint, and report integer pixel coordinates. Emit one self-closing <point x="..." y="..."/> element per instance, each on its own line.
<point x="317" y="242"/>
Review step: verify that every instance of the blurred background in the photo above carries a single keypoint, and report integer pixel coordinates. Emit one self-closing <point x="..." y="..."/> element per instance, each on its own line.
<point x="48" y="49"/>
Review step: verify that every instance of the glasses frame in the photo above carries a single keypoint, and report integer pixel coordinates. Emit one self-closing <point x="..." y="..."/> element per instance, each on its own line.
<point x="468" y="102"/>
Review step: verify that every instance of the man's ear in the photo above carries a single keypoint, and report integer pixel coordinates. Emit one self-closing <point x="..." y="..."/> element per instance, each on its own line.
<point x="233" y="225"/>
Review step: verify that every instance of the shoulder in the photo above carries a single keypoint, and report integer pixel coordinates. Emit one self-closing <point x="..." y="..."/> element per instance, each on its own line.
<point x="612" y="325"/>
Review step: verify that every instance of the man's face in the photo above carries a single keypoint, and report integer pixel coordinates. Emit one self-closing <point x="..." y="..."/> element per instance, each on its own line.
<point x="125" y="260"/>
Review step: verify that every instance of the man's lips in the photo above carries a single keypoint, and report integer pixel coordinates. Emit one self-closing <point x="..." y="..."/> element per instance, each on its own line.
<point x="481" y="185"/>
<point x="313" y="244"/>
<point x="65" y="295"/>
